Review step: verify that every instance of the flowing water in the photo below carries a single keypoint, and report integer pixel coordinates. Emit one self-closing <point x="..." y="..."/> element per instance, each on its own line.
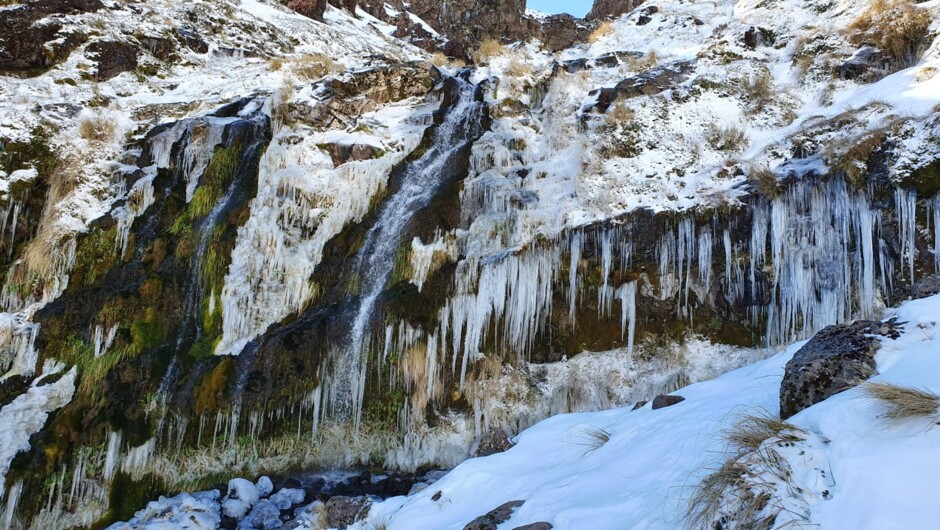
<point x="375" y="262"/>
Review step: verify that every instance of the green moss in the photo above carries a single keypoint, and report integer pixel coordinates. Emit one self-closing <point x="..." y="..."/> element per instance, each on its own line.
<point x="97" y="253"/>
<point x="127" y="496"/>
<point x="36" y="153"/>
<point x="381" y="408"/>
<point x="147" y="332"/>
<point x="211" y="394"/>
<point x="926" y="180"/>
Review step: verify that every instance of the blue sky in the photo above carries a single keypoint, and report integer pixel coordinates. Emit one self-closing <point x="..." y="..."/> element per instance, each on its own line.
<point x="578" y="8"/>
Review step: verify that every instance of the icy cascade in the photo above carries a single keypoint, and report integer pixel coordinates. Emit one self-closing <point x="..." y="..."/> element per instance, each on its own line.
<point x="375" y="261"/>
<point x="821" y="240"/>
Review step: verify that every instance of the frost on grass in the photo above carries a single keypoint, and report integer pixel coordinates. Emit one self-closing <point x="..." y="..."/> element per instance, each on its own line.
<point x="899" y="403"/>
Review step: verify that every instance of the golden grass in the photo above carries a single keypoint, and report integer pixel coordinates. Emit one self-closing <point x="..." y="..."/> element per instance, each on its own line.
<point x="852" y="161"/>
<point x="752" y="430"/>
<point x="488" y="49"/>
<point x="315" y="66"/>
<point x="644" y="63"/>
<point x="759" y="89"/>
<point x="591" y="438"/>
<point x="603" y="29"/>
<point x="618" y="113"/>
<point x="519" y="68"/>
<point x="97" y="127"/>
<point x="764" y="180"/>
<point x="897" y="27"/>
<point x="898" y="403"/>
<point x="730" y="138"/>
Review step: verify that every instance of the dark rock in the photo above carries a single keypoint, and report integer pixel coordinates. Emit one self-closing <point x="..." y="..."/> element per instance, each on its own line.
<point x="493" y="442"/>
<point x="522" y="199"/>
<point x="342" y="153"/>
<point x="494" y="518"/>
<point x="30" y="38"/>
<point x="663" y="401"/>
<point x="645" y="15"/>
<point x="535" y="526"/>
<point x="928" y="286"/>
<point x="559" y="32"/>
<point x="834" y="360"/>
<point x="192" y="40"/>
<point x="348" y="5"/>
<point x="863" y="64"/>
<point x="160" y="47"/>
<point x="639" y="405"/>
<point x="756" y="37"/>
<point x="574" y="65"/>
<point x="652" y="81"/>
<point x="344" y="511"/>
<point x="113" y="57"/>
<point x="608" y="9"/>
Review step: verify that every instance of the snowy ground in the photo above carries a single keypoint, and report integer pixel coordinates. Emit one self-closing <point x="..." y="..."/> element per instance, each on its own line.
<point x="642" y="477"/>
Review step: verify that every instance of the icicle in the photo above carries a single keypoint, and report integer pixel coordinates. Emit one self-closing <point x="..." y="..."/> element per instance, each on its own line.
<point x="906" y="206"/>
<point x="13" y="499"/>
<point x="627" y="295"/>
<point x="705" y="259"/>
<point x="936" y="231"/>
<point x="113" y="455"/>
<point x="574" y="264"/>
<point x="605" y="292"/>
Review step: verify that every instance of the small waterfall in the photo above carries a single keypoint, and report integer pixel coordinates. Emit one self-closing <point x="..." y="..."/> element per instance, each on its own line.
<point x="376" y="260"/>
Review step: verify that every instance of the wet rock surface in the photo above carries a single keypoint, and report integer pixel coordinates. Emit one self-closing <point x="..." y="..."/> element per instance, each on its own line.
<point x="834" y="360"/>
<point x="652" y="81"/>
<point x="343" y="511"/>
<point x="113" y="57"/>
<point x="928" y="286"/>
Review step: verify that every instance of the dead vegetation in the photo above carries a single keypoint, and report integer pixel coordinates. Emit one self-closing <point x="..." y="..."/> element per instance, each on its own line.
<point x="759" y="89"/>
<point x="644" y="63"/>
<point x="740" y="494"/>
<point x="900" y="404"/>
<point x="98" y="127"/>
<point x="603" y="29"/>
<point x="314" y="66"/>
<point x="899" y="28"/>
<point x="488" y="49"/>
<point x="764" y="180"/>
<point x="728" y="138"/>
<point x="850" y="157"/>
<point x="591" y="438"/>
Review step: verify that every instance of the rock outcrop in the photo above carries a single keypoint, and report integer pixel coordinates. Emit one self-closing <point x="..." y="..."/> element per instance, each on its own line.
<point x="493" y="442"/>
<point x="495" y="517"/>
<point x="836" y="359"/>
<point x="608" y="9"/>
<point x="30" y="38"/>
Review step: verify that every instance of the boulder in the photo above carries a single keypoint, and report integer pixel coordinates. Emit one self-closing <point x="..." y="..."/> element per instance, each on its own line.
<point x="344" y="511"/>
<point x="493" y="442"/>
<point x="834" y="360"/>
<point x="645" y="15"/>
<point x="535" y="526"/>
<point x="862" y="63"/>
<point x="756" y="37"/>
<point x="925" y="287"/>
<point x="663" y="401"/>
<point x="495" y="517"/>
<point x="342" y="153"/>
<point x="652" y="81"/>
<point x="560" y="32"/>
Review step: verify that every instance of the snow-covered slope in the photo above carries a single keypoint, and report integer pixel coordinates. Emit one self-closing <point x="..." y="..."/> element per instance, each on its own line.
<point x="854" y="469"/>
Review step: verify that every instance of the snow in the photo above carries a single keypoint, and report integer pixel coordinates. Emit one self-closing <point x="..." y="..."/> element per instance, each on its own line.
<point x="27" y="413"/>
<point x="645" y="472"/>
<point x="198" y="511"/>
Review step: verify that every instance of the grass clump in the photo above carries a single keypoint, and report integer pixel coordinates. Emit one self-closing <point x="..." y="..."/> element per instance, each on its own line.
<point x="764" y="181"/>
<point x="897" y="27"/>
<point x="759" y="89"/>
<point x="752" y="430"/>
<point x="602" y="30"/>
<point x="852" y="162"/>
<point x="729" y="138"/>
<point x="314" y="66"/>
<point x="592" y="438"/>
<point x="97" y="127"/>
<point x="488" y="49"/>
<point x="900" y="403"/>
<point x="644" y="63"/>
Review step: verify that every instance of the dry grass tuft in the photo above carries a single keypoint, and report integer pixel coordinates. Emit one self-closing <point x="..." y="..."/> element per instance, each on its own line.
<point x="519" y="68"/>
<point x="592" y="438"/>
<point x="644" y="63"/>
<point x="897" y="27"/>
<point x="618" y="113"/>
<point x="852" y="161"/>
<point x="604" y="29"/>
<point x="97" y="127"/>
<point x="764" y="181"/>
<point x="728" y="138"/>
<point x="488" y="49"/>
<point x="759" y="89"/>
<point x="752" y="430"/>
<point x="900" y="403"/>
<point x="315" y="66"/>
<point x="276" y="63"/>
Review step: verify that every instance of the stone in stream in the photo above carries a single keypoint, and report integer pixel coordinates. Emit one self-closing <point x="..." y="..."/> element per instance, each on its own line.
<point x="343" y="511"/>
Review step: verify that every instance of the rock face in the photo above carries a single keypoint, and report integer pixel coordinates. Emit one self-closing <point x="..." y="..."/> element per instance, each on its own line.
<point x="29" y="35"/>
<point x="608" y="9"/>
<point x="344" y="511"/>
<point x="494" y="518"/>
<point x="862" y="63"/>
<point x="559" y="32"/>
<point x="493" y="442"/>
<point x="652" y="81"/>
<point x="114" y="58"/>
<point x="836" y="359"/>
<point x="309" y="8"/>
<point x="928" y="286"/>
